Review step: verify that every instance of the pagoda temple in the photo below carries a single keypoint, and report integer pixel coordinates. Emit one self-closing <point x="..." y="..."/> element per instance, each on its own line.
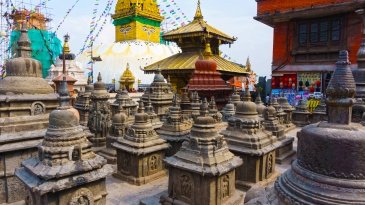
<point x="192" y="39"/>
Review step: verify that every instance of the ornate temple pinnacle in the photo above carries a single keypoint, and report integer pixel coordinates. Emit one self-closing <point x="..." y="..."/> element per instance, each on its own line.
<point x="24" y="49"/>
<point x="140" y="107"/>
<point x="198" y="13"/>
<point x="66" y="47"/>
<point x="204" y="108"/>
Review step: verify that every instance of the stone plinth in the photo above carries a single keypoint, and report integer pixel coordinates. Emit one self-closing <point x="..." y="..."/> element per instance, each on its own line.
<point x="247" y="139"/>
<point x="203" y="171"/>
<point x="271" y="123"/>
<point x="129" y="106"/>
<point x="176" y="129"/>
<point x="160" y="94"/>
<point x="25" y="103"/>
<point x="330" y="164"/>
<point x="66" y="170"/>
<point x="100" y="114"/>
<point x="140" y="152"/>
<point x="117" y="131"/>
<point x="301" y="114"/>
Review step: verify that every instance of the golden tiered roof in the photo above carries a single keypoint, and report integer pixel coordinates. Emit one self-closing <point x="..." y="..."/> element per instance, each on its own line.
<point x="186" y="61"/>
<point x="146" y="8"/>
<point x="127" y="76"/>
<point x="198" y="27"/>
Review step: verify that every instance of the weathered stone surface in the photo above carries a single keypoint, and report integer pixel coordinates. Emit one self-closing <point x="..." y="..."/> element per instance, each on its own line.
<point x="66" y="165"/>
<point x="330" y="165"/>
<point x="320" y="113"/>
<point x="228" y="110"/>
<point x="160" y="93"/>
<point x="203" y="171"/>
<point x="129" y="106"/>
<point x="176" y="128"/>
<point x="140" y="152"/>
<point x="100" y="115"/>
<point x="247" y="139"/>
<point x="301" y="114"/>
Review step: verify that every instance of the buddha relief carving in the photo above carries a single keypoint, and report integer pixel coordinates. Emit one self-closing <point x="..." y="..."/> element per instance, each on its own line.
<point x="186" y="186"/>
<point x="270" y="164"/>
<point x="38" y="108"/>
<point x="225" y="186"/>
<point x="153" y="162"/>
<point x="82" y="197"/>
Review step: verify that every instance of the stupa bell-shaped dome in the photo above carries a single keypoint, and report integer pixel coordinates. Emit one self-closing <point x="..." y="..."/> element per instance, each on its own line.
<point x="246" y="108"/>
<point x="24" y="74"/>
<point x="158" y="77"/>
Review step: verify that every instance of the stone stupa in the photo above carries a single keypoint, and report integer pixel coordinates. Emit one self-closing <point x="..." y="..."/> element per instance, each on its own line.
<point x="129" y="106"/>
<point x="140" y="152"/>
<point x="153" y="117"/>
<point x="260" y="107"/>
<point x="288" y="110"/>
<point x="83" y="103"/>
<point x="228" y="110"/>
<point x="26" y="100"/>
<point x="216" y="115"/>
<point x="203" y="171"/>
<point x="160" y="93"/>
<point x="195" y="105"/>
<point x="66" y="170"/>
<point x="247" y="138"/>
<point x="100" y="115"/>
<point x="330" y="168"/>
<point x="117" y="131"/>
<point x="301" y="114"/>
<point x="176" y="128"/>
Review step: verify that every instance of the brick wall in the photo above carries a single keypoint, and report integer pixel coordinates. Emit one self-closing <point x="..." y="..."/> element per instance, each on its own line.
<point x="270" y="6"/>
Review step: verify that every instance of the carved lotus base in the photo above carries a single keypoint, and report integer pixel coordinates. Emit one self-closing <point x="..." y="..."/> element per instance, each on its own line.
<point x="285" y="150"/>
<point x="301" y="186"/>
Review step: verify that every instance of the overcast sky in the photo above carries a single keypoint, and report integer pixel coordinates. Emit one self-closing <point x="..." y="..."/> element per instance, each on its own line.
<point x="234" y="17"/>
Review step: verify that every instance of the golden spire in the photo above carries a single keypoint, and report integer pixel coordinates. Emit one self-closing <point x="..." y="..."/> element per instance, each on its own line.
<point x="66" y="47"/>
<point x="248" y="65"/>
<point x="207" y="51"/>
<point x="198" y="13"/>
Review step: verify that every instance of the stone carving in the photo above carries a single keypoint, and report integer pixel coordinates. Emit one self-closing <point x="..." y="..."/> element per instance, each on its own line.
<point x="301" y="114"/>
<point x="228" y="110"/>
<point x="129" y="106"/>
<point x="145" y="149"/>
<point x="70" y="169"/>
<point x="203" y="169"/>
<point x="38" y="108"/>
<point x="330" y="157"/>
<point x="82" y="197"/>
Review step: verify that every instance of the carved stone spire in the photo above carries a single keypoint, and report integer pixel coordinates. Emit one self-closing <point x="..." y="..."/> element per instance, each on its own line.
<point x="341" y="91"/>
<point x="24" y="49"/>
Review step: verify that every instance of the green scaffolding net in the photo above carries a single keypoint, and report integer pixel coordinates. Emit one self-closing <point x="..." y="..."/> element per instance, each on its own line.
<point x="45" y="45"/>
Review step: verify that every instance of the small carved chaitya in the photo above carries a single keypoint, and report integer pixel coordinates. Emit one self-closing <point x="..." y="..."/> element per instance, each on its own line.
<point x="320" y="113"/>
<point x="260" y="107"/>
<point x="216" y="115"/>
<point x="154" y="118"/>
<point x="66" y="170"/>
<point x="83" y="103"/>
<point x="301" y="114"/>
<point x="271" y="123"/>
<point x="228" y="110"/>
<point x="160" y="93"/>
<point x="100" y="115"/>
<point x="330" y="166"/>
<point x="140" y="152"/>
<point x="203" y="171"/>
<point x="288" y="110"/>
<point x="175" y="129"/>
<point x="129" y="106"/>
<point x="26" y="100"/>
<point x="247" y="139"/>
<point x="195" y="105"/>
<point x="117" y="131"/>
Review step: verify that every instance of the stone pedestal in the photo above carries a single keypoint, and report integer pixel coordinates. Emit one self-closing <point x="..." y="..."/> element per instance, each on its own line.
<point x="301" y="114"/>
<point x="26" y="100"/>
<point x="140" y="152"/>
<point x="247" y="139"/>
<point x="176" y="129"/>
<point x="100" y="114"/>
<point x="66" y="170"/>
<point x="203" y="171"/>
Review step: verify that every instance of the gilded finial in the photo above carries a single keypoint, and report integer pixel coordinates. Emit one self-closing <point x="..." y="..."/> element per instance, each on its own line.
<point x="207" y="50"/>
<point x="198" y="13"/>
<point x="66" y="47"/>
<point x="99" y="77"/>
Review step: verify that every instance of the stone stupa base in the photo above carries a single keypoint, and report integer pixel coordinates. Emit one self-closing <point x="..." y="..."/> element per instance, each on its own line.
<point x="246" y="185"/>
<point x="175" y="144"/>
<point x="140" y="180"/>
<point x="301" y="186"/>
<point x="285" y="150"/>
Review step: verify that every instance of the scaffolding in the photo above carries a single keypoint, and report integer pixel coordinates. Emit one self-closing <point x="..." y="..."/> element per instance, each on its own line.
<point x="13" y="13"/>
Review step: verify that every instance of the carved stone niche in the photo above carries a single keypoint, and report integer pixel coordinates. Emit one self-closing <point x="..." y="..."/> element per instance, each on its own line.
<point x="38" y="108"/>
<point x="192" y="188"/>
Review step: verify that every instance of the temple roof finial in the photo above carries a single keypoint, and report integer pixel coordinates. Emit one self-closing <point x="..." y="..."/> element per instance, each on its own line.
<point x="66" y="47"/>
<point x="248" y="64"/>
<point x="24" y="49"/>
<point x="99" y="77"/>
<point x="198" y="13"/>
<point x="207" y="51"/>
